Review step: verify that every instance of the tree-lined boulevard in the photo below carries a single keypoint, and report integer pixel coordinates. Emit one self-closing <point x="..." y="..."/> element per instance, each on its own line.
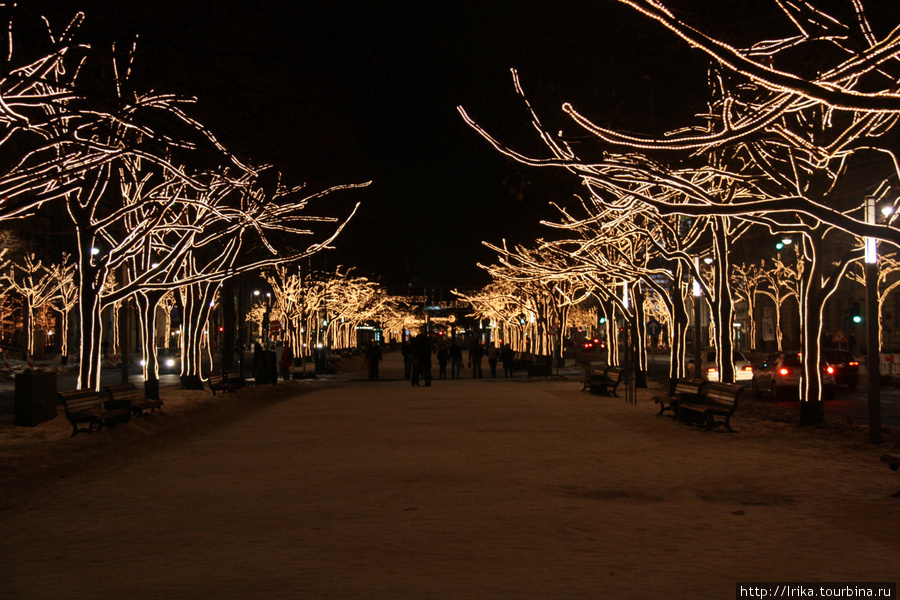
<point x="744" y="205"/>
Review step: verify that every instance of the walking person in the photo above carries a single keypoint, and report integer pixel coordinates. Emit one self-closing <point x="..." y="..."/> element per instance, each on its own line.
<point x="406" y="351"/>
<point x="257" y="362"/>
<point x="373" y="357"/>
<point x="421" y="348"/>
<point x="493" y="354"/>
<point x="476" y="353"/>
<point x="509" y="358"/>
<point x="443" y="356"/>
<point x="456" y="359"/>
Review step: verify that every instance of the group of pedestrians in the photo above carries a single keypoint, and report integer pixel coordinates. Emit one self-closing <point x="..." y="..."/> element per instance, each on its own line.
<point x="418" y="351"/>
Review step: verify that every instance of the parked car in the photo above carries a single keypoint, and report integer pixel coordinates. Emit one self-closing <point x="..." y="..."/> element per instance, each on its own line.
<point x="169" y="360"/>
<point x="846" y="368"/>
<point x="780" y="376"/>
<point x="709" y="370"/>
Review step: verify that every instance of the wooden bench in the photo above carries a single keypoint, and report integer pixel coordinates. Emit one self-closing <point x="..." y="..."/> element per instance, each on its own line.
<point x="606" y="384"/>
<point x="686" y="390"/>
<point x="85" y="411"/>
<point x="893" y="462"/>
<point x="595" y="370"/>
<point x="718" y="400"/>
<point x="297" y="370"/>
<point x="128" y="396"/>
<point x="223" y="383"/>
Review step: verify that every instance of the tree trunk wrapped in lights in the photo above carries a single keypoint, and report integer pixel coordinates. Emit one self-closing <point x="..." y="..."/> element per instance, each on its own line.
<point x="66" y="299"/>
<point x="198" y="300"/>
<point x="147" y="302"/>
<point x="781" y="284"/>
<point x="745" y="282"/>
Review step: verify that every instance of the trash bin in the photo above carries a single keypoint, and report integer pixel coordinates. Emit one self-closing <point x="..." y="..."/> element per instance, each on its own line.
<point x="267" y="370"/>
<point x="35" y="400"/>
<point x="320" y="355"/>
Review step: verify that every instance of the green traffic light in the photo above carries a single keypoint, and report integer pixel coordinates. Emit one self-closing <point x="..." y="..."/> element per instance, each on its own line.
<point x="857" y="319"/>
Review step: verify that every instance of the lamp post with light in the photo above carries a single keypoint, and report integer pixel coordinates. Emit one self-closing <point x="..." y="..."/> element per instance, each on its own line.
<point x="697" y="293"/>
<point x="873" y="350"/>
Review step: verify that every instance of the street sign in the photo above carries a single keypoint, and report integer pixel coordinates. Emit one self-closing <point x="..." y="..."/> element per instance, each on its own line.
<point x="840" y="337"/>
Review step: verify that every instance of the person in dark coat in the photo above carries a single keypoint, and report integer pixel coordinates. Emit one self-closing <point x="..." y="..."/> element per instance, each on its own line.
<point x="493" y="354"/>
<point x="287" y="359"/>
<point x="456" y="359"/>
<point x="406" y="351"/>
<point x="373" y="357"/>
<point x="443" y="356"/>
<point x="421" y="349"/>
<point x="476" y="353"/>
<point x="509" y="358"/>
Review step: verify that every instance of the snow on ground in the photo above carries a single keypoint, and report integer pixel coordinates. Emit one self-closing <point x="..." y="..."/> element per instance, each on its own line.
<point x="467" y="489"/>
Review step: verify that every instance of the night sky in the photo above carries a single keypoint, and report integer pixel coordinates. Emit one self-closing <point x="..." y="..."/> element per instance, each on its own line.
<point x="338" y="92"/>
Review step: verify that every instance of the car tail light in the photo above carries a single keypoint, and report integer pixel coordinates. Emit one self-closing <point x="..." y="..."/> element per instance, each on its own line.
<point x="712" y="370"/>
<point x="829" y="369"/>
<point x="784" y="371"/>
<point x="747" y="368"/>
<point x="853" y="363"/>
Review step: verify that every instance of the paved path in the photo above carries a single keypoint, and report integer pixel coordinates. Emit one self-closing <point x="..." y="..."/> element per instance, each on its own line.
<point x="468" y="489"/>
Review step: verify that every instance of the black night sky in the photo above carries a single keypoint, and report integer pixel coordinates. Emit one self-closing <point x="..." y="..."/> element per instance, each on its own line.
<point x="338" y="92"/>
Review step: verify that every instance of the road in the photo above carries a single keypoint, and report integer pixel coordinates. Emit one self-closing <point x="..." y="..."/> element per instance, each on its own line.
<point x="854" y="404"/>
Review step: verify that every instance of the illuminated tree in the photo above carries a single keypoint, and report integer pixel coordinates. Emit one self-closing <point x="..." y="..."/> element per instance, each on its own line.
<point x="624" y="243"/>
<point x="620" y="186"/>
<point x="745" y="283"/>
<point x="508" y="310"/>
<point x="781" y="283"/>
<point x="888" y="281"/>
<point x="551" y="293"/>
<point x="797" y="135"/>
<point x="143" y="183"/>
<point x="36" y="87"/>
<point x="771" y="150"/>
<point x="331" y="306"/>
<point x="36" y="285"/>
<point x="65" y="300"/>
<point x="395" y="317"/>
<point x="287" y="290"/>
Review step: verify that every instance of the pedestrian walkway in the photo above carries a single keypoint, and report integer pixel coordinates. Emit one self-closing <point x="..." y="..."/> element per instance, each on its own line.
<point x="467" y="489"/>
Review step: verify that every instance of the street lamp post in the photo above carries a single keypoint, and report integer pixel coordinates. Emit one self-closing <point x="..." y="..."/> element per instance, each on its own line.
<point x="698" y="292"/>
<point x="873" y="350"/>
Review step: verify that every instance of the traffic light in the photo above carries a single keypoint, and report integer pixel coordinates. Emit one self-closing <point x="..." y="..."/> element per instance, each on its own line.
<point x="602" y="320"/>
<point x="855" y="314"/>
